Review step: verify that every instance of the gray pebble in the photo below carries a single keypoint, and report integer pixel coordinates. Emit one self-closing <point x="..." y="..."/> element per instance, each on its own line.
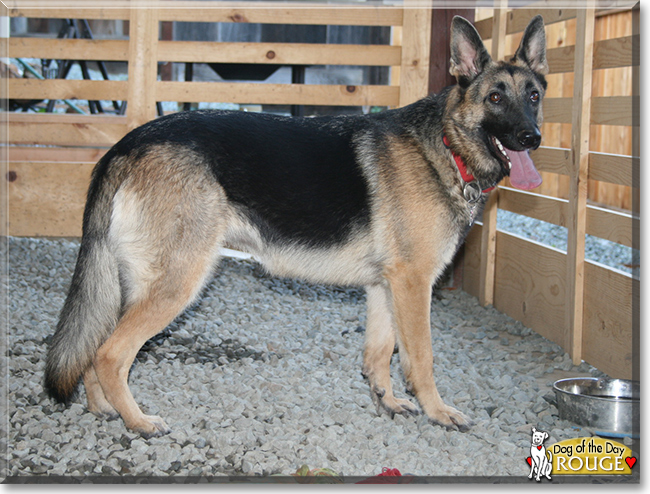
<point x="256" y="378"/>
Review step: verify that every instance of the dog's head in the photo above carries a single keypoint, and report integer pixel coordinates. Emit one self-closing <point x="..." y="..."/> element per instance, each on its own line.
<point x="496" y="109"/>
<point x="539" y="437"/>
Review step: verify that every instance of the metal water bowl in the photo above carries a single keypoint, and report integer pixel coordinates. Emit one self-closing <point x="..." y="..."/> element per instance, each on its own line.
<point x="610" y="407"/>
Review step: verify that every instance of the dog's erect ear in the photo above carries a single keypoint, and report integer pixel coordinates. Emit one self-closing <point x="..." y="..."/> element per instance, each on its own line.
<point x="468" y="54"/>
<point x="534" y="430"/>
<point x="532" y="49"/>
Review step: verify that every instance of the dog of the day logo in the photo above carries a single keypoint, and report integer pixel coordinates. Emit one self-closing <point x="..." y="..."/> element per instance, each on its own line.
<point x="579" y="456"/>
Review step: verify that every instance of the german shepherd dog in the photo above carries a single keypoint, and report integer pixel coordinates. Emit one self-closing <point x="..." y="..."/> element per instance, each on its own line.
<point x="381" y="200"/>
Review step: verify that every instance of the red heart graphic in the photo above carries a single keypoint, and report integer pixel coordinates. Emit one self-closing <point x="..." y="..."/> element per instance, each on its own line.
<point x="529" y="460"/>
<point x="539" y="447"/>
<point x="631" y="461"/>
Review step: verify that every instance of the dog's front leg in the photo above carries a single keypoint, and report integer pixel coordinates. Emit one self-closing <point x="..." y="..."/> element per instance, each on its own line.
<point x="533" y="464"/>
<point x="411" y="295"/>
<point x="380" y="342"/>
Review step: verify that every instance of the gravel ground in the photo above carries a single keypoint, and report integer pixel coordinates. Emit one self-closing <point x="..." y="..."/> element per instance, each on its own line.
<point x="262" y="375"/>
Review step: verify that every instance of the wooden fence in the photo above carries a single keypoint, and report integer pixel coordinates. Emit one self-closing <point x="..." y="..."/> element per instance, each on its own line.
<point x="590" y="310"/>
<point x="47" y="184"/>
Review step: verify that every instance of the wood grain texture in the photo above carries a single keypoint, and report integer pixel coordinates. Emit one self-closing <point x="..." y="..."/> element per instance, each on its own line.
<point x="530" y="285"/>
<point x="614" y="169"/>
<point x="143" y="66"/>
<point x="281" y="13"/>
<point x="60" y="89"/>
<point x="65" y="130"/>
<point x="553" y="160"/>
<point x="70" y="49"/>
<point x="518" y="19"/>
<point x="416" y="40"/>
<point x="616" y="226"/>
<point x="47" y="199"/>
<point x="611" y="310"/>
<point x="578" y="185"/>
<point x="215" y="11"/>
<point x="472" y="261"/>
<point x="489" y="228"/>
<point x="293" y="94"/>
<point x="278" y="53"/>
<point x="51" y="154"/>
<point x="544" y="208"/>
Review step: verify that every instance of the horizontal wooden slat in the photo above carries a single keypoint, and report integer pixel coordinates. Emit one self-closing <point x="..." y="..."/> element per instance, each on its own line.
<point x="544" y="208"/>
<point x="214" y="11"/>
<point x="610" y="302"/>
<point x="608" y="110"/>
<point x="615" y="226"/>
<point x="279" y="53"/>
<point x="49" y="10"/>
<point x="552" y="160"/>
<point x="66" y="118"/>
<point x="610" y="168"/>
<point x="47" y="199"/>
<point x="608" y="54"/>
<point x="560" y="60"/>
<point x="69" y="49"/>
<point x="616" y="52"/>
<point x="614" y="169"/>
<point x="290" y="94"/>
<point x="557" y="110"/>
<point x="67" y="89"/>
<point x="530" y="285"/>
<point x="56" y="154"/>
<point x="281" y="13"/>
<point x="65" y="130"/>
<point x="615" y="110"/>
<point x="519" y="19"/>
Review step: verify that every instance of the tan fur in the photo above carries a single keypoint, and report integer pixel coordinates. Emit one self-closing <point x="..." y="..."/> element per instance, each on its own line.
<point x="413" y="225"/>
<point x="152" y="234"/>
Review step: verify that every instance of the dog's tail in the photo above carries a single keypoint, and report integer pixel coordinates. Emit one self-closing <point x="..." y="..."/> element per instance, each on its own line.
<point x="93" y="304"/>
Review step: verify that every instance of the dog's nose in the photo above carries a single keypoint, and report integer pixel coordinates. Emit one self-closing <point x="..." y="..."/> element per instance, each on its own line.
<point x="530" y="138"/>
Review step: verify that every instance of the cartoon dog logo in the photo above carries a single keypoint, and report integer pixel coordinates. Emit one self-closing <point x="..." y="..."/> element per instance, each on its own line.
<point x="540" y="464"/>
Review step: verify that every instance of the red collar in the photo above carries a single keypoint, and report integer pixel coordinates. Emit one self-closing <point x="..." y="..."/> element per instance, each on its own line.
<point x="462" y="168"/>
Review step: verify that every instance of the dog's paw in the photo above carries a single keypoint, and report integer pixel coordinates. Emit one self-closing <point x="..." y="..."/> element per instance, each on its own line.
<point x="105" y="415"/>
<point x="392" y="405"/>
<point x="103" y="410"/>
<point x="451" y="419"/>
<point x="151" y="426"/>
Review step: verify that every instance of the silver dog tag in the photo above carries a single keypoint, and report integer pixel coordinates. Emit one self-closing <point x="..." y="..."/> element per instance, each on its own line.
<point x="472" y="192"/>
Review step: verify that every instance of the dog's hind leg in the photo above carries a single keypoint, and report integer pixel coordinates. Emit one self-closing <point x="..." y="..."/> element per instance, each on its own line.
<point x="97" y="402"/>
<point x="168" y="220"/>
<point x="380" y="342"/>
<point x="142" y="320"/>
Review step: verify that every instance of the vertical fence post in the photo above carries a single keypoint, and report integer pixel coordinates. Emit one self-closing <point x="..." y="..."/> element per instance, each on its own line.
<point x="143" y="65"/>
<point x="489" y="229"/>
<point x="416" y="36"/>
<point x="577" y="217"/>
<point x="636" y="206"/>
<point x="4" y="135"/>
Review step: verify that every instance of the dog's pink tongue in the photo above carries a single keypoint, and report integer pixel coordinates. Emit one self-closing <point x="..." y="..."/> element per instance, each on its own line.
<point x="523" y="173"/>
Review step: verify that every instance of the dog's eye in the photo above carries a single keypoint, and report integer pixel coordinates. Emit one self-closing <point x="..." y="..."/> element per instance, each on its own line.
<point x="495" y="97"/>
<point x="534" y="96"/>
